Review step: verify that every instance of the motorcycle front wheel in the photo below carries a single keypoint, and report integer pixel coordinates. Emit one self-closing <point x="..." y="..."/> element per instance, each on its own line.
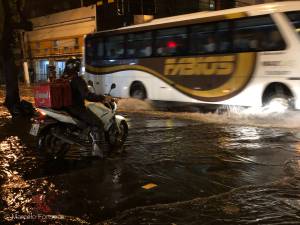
<point x="117" y="137"/>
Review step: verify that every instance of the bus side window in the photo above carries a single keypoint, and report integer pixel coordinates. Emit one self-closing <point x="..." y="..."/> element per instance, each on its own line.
<point x="256" y="34"/>
<point x="94" y="51"/>
<point x="171" y="42"/>
<point x="203" y="39"/>
<point x="100" y="49"/>
<point x="241" y="42"/>
<point x="294" y="17"/>
<point x="114" y="47"/>
<point x="224" y="35"/>
<point x="139" y="45"/>
<point x="89" y="51"/>
<point x="274" y="41"/>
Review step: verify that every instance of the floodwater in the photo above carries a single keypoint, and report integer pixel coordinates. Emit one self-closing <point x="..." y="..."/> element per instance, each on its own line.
<point x="234" y="168"/>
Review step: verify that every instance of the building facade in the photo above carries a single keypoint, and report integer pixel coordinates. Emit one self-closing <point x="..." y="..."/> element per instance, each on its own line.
<point x="55" y="38"/>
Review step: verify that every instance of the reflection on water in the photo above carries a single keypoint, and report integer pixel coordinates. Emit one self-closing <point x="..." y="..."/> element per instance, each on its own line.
<point x="275" y="203"/>
<point x="219" y="168"/>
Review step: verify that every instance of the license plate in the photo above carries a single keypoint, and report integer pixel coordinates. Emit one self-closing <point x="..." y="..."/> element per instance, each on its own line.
<point x="34" y="129"/>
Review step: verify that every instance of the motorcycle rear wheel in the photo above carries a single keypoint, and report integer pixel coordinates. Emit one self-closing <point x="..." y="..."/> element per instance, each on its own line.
<point x="49" y="146"/>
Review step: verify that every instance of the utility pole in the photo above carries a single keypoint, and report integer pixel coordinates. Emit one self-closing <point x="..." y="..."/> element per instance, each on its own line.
<point x="23" y="41"/>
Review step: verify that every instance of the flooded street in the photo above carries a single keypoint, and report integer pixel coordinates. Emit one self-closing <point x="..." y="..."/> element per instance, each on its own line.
<point x="197" y="168"/>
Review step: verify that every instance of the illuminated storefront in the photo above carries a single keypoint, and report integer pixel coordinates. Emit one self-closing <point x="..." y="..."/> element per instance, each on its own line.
<point x="55" y="38"/>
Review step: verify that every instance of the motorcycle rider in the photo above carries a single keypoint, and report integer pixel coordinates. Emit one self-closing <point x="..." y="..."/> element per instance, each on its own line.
<point x="80" y="93"/>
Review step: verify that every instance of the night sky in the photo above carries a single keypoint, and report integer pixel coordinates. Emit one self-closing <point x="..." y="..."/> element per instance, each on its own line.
<point x="36" y="8"/>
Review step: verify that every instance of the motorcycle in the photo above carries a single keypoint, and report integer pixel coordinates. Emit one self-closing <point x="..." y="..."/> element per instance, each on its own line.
<point x="56" y="131"/>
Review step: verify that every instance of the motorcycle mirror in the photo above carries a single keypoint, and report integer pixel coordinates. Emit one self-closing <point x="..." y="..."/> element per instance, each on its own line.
<point x="113" y="86"/>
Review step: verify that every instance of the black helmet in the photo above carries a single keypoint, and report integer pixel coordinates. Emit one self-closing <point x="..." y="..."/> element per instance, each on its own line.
<point x="72" y="66"/>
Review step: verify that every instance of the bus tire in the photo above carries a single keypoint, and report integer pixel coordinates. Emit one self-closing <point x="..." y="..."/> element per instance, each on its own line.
<point x="138" y="91"/>
<point x="278" y="92"/>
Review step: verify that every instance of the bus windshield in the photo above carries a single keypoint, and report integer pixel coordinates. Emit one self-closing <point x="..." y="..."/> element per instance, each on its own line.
<point x="295" y="19"/>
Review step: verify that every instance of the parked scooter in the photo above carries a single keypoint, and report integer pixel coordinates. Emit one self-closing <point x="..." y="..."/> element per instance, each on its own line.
<point x="57" y="130"/>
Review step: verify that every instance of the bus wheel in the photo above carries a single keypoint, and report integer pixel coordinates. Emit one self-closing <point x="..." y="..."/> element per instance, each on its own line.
<point x="278" y="95"/>
<point x="138" y="91"/>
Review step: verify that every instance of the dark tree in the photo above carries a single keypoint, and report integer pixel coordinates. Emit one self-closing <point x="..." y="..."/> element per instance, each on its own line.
<point x="12" y="20"/>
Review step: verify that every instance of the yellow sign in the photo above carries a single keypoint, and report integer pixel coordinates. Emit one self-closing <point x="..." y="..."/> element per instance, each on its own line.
<point x="99" y="3"/>
<point x="212" y="65"/>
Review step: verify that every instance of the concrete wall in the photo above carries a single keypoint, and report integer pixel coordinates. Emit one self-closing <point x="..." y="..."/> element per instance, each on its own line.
<point x="75" y="22"/>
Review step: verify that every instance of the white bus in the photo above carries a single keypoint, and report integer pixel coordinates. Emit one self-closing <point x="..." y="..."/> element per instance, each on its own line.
<point x="245" y="56"/>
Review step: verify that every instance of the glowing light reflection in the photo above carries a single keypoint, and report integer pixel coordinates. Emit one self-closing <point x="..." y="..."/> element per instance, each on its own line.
<point x="15" y="190"/>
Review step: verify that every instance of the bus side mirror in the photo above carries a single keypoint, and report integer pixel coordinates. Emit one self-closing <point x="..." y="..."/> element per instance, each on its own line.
<point x="113" y="86"/>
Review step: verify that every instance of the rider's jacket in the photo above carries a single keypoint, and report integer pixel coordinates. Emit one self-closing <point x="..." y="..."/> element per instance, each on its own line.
<point x="80" y="93"/>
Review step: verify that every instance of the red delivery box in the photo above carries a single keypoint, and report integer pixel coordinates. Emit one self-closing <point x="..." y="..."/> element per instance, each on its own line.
<point x="67" y="93"/>
<point x="55" y="95"/>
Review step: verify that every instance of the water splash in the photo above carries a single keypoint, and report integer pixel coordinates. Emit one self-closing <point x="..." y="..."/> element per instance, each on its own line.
<point x="131" y="104"/>
<point x="274" y="115"/>
<point x="276" y="107"/>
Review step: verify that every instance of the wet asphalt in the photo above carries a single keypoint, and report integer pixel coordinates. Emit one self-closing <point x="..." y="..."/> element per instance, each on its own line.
<point x="178" y="168"/>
